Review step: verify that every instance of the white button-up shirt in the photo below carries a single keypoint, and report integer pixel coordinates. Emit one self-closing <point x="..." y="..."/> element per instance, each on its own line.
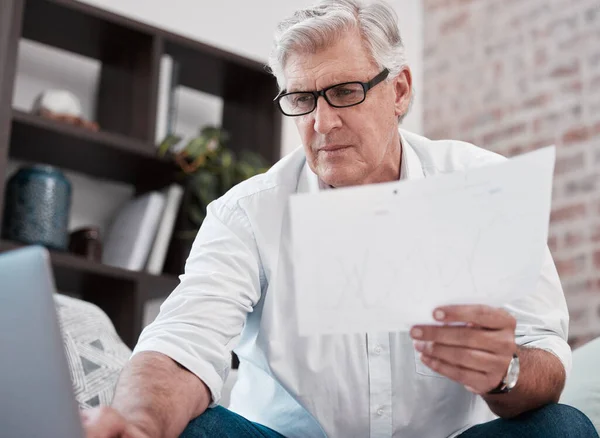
<point x="237" y="293"/>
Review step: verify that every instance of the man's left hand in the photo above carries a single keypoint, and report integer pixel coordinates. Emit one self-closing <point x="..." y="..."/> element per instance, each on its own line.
<point x="476" y="353"/>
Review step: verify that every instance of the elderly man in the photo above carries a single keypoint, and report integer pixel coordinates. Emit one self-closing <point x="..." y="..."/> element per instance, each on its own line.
<point x="344" y="80"/>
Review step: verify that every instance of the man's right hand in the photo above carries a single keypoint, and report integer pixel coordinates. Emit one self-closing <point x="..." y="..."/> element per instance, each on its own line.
<point x="107" y="422"/>
<point x="154" y="397"/>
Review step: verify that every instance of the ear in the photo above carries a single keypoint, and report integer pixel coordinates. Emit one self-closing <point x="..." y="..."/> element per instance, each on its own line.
<point x="403" y="91"/>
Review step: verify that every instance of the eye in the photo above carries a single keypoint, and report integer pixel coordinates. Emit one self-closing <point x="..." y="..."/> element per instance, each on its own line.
<point x="302" y="99"/>
<point x="344" y="92"/>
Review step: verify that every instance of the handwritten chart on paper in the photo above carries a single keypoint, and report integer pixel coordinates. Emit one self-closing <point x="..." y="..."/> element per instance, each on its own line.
<point x="382" y="257"/>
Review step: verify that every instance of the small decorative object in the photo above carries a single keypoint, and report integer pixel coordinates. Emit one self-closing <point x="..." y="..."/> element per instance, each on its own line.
<point x="38" y="201"/>
<point x="63" y="106"/>
<point x="86" y="242"/>
<point x="210" y="170"/>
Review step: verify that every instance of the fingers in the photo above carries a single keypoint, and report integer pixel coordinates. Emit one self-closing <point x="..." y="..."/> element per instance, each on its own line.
<point x="475" y="381"/>
<point x="493" y="341"/>
<point x="476" y="353"/>
<point x="487" y="328"/>
<point x="481" y="315"/>
<point x="103" y="422"/>
<point x="475" y="360"/>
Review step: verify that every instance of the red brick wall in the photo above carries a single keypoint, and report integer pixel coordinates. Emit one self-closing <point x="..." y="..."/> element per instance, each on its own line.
<point x="515" y="75"/>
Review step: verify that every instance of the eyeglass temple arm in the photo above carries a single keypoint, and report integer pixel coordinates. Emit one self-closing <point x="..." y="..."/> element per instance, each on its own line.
<point x="377" y="79"/>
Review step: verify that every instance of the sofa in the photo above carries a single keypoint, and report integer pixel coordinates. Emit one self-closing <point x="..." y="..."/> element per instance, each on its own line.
<point x="95" y="352"/>
<point x="96" y="355"/>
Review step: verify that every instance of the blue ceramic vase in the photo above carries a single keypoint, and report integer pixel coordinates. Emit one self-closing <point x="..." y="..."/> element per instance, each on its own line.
<point x="38" y="202"/>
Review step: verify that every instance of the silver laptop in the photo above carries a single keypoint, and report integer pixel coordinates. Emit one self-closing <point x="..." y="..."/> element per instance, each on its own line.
<point x="36" y="394"/>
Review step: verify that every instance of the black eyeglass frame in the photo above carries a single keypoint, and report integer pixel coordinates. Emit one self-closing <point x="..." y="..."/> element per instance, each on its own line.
<point x="365" y="85"/>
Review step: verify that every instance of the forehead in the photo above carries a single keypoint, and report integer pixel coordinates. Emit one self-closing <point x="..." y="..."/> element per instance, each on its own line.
<point x="345" y="60"/>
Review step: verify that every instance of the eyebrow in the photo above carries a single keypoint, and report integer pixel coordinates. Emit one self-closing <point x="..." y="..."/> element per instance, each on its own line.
<point x="287" y="90"/>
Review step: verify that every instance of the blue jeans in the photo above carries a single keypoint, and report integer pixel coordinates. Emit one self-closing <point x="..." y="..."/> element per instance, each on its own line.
<point x="219" y="422"/>
<point x="552" y="421"/>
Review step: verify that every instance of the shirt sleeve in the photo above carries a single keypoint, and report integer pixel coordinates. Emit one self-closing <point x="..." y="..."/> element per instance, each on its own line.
<point x="201" y="320"/>
<point x="542" y="316"/>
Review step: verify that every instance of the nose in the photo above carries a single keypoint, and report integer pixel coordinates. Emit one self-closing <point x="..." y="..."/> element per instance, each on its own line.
<point x="326" y="117"/>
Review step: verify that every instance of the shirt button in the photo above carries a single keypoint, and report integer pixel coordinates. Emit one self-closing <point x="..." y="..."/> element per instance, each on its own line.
<point x="377" y="349"/>
<point x="380" y="412"/>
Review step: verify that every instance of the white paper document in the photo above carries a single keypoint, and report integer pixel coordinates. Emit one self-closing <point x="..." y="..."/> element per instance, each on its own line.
<point x="381" y="257"/>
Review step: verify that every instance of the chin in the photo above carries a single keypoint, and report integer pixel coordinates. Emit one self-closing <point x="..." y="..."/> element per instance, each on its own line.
<point x="340" y="179"/>
<point x="338" y="172"/>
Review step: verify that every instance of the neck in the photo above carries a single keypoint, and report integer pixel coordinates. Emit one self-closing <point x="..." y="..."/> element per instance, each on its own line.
<point x="391" y="165"/>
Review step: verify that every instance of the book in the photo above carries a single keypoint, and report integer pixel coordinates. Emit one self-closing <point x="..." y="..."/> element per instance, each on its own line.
<point x="164" y="96"/>
<point x="173" y="103"/>
<point x="132" y="232"/>
<point x="158" y="253"/>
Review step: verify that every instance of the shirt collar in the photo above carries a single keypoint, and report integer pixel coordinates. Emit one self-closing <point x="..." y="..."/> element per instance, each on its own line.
<point x="411" y="166"/>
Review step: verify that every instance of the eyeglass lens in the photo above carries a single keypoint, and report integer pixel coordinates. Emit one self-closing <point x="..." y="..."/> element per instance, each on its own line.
<point x="339" y="96"/>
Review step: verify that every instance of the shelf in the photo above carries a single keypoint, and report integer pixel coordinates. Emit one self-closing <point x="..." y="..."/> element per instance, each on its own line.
<point x="80" y="28"/>
<point x="210" y="71"/>
<point x="91" y="31"/>
<point x="72" y="270"/>
<point x="99" y="154"/>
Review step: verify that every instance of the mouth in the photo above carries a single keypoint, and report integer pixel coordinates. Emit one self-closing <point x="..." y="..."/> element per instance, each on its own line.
<point x="333" y="148"/>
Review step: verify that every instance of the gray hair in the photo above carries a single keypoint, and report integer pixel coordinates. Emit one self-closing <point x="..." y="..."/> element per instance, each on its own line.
<point x="311" y="29"/>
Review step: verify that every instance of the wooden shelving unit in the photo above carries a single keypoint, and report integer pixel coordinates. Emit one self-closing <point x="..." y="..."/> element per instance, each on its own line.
<point x="123" y="150"/>
<point x="81" y="150"/>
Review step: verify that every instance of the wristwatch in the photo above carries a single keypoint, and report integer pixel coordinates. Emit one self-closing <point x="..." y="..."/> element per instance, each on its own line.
<point x="510" y="380"/>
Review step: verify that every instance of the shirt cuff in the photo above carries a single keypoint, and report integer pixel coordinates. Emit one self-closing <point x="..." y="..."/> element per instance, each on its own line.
<point x="202" y="369"/>
<point x="553" y="344"/>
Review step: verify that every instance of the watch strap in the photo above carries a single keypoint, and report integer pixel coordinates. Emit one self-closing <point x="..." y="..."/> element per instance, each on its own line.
<point x="504" y="387"/>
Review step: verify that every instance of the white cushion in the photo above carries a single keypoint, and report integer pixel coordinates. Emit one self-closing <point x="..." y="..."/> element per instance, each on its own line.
<point x="582" y="390"/>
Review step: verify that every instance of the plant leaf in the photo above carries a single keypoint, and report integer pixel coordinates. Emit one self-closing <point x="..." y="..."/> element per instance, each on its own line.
<point x="212" y="169"/>
<point x="168" y="142"/>
<point x="196" y="147"/>
<point x="245" y="170"/>
<point x="227" y="158"/>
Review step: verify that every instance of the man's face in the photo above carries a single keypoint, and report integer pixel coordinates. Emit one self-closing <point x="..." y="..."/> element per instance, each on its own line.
<point x="353" y="145"/>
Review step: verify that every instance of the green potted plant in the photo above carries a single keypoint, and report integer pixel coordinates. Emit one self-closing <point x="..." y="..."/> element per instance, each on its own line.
<point x="209" y="169"/>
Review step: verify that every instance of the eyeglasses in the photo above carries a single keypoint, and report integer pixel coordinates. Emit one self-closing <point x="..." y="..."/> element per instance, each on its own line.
<point x="342" y="95"/>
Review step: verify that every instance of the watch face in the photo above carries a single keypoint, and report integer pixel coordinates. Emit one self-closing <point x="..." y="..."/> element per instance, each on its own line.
<point x="513" y="373"/>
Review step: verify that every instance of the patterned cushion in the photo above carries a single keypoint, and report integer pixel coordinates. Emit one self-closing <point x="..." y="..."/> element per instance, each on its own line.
<point x="94" y="351"/>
